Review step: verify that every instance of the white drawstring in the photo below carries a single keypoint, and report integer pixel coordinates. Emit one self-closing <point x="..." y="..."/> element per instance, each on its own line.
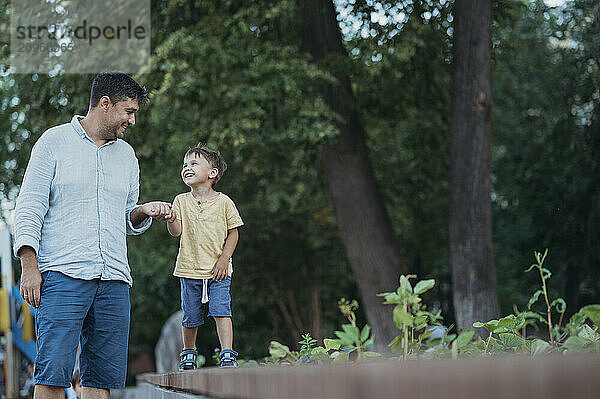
<point x="205" y="290"/>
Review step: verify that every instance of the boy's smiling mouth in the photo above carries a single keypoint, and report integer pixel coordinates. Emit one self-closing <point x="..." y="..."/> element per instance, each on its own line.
<point x="188" y="174"/>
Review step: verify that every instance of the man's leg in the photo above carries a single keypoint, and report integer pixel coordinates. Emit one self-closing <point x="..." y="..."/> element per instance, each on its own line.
<point x="48" y="392"/>
<point x="189" y="337"/>
<point x="63" y="306"/>
<point x="225" y="332"/>
<point x="94" y="393"/>
<point x="104" y="340"/>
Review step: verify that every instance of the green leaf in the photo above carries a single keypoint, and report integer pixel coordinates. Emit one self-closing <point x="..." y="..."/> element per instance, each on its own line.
<point x="344" y="338"/>
<point x="531" y="267"/>
<point x="352" y="331"/>
<point x="318" y="350"/>
<point x="420" y="321"/>
<point x="546" y="274"/>
<point x="331" y="344"/>
<point x="578" y="344"/>
<point x="368" y="355"/>
<point x="396" y="344"/>
<point x="534" y="298"/>
<point x="593" y="313"/>
<point x="405" y="283"/>
<point x="423" y="286"/>
<point x="510" y="340"/>
<point x="368" y="342"/>
<point x="560" y="304"/>
<point x="539" y="346"/>
<point x="365" y="333"/>
<point x="278" y="351"/>
<point x="508" y="324"/>
<point x="463" y="339"/>
<point x="588" y="333"/>
<point x="478" y="324"/>
<point x="340" y="357"/>
<point x="402" y="318"/>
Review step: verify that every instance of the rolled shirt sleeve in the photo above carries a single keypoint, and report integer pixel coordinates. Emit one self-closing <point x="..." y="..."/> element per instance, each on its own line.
<point x="132" y="199"/>
<point x="34" y="197"/>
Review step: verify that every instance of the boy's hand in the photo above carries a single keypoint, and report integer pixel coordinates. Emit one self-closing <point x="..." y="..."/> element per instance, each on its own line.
<point x="220" y="269"/>
<point x="172" y="216"/>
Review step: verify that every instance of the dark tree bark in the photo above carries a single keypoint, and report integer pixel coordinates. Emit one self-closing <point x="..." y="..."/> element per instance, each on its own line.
<point x="364" y="224"/>
<point x="470" y="223"/>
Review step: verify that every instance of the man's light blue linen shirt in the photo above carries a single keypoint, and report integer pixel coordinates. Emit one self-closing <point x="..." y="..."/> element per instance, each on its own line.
<point x="75" y="203"/>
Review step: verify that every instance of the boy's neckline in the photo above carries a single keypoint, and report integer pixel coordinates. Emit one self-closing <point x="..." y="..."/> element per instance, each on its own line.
<point x="209" y="199"/>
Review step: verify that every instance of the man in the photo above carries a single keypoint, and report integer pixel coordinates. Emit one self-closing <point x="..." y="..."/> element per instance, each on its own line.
<point x="76" y="205"/>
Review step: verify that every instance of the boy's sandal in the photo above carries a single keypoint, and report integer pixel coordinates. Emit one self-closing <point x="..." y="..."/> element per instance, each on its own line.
<point x="228" y="359"/>
<point x="187" y="359"/>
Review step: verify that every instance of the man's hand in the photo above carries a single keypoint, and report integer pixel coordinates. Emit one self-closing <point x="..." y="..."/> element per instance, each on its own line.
<point x="158" y="210"/>
<point x="31" y="278"/>
<point x="220" y="269"/>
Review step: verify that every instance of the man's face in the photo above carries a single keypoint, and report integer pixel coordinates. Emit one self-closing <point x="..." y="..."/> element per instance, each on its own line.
<point x="118" y="117"/>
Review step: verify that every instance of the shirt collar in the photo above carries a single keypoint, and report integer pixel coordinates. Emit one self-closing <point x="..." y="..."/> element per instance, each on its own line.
<point x="81" y="132"/>
<point x="77" y="126"/>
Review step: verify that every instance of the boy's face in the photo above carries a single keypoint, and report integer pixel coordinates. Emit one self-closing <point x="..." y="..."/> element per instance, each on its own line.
<point x="196" y="170"/>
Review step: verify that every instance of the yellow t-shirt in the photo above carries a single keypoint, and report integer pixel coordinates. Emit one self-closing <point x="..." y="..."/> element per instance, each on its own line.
<point x="204" y="228"/>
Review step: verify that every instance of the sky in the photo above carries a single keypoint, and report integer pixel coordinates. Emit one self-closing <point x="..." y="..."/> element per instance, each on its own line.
<point x="554" y="2"/>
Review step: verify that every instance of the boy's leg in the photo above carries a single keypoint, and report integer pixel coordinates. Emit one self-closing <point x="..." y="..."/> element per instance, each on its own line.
<point x="189" y="337"/>
<point x="193" y="316"/>
<point x="219" y="307"/>
<point x="224" y="331"/>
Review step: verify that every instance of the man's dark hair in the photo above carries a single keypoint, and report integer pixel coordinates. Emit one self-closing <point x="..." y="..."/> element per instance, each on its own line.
<point x="118" y="86"/>
<point x="214" y="158"/>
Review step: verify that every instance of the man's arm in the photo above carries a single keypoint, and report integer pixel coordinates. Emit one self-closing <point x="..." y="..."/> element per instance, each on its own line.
<point x="138" y="217"/>
<point x="31" y="278"/>
<point x="31" y="208"/>
<point x="157" y="210"/>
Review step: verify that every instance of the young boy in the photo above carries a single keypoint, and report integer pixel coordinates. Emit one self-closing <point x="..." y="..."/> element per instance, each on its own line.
<point x="207" y="221"/>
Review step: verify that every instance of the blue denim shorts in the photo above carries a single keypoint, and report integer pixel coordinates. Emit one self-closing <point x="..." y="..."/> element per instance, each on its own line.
<point x="93" y="312"/>
<point x="219" y="300"/>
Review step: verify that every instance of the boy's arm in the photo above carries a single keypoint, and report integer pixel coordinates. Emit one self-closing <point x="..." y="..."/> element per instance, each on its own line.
<point x="174" y="225"/>
<point x="221" y="268"/>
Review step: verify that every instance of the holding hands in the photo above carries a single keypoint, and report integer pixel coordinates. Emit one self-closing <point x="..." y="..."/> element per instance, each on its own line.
<point x="159" y="210"/>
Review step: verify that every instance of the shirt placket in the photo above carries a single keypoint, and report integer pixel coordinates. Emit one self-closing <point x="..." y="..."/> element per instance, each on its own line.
<point x="101" y="209"/>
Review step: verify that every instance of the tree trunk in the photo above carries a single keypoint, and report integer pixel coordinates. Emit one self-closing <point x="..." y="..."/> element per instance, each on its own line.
<point x="470" y="235"/>
<point x="364" y="224"/>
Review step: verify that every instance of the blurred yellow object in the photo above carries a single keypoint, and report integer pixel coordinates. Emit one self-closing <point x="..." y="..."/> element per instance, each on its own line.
<point x="4" y="312"/>
<point x="27" y="326"/>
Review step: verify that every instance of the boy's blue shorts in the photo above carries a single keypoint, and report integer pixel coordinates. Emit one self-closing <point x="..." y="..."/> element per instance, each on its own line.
<point x="95" y="311"/>
<point x="219" y="300"/>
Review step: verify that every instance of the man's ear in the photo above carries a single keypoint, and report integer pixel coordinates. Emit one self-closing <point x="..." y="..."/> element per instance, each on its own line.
<point x="104" y="103"/>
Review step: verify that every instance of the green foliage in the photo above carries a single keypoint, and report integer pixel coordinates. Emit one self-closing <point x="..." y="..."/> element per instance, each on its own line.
<point x="509" y="333"/>
<point x="505" y="335"/>
<point x="410" y="315"/>
<point x="351" y="343"/>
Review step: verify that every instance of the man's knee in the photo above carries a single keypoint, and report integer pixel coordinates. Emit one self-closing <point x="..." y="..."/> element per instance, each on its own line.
<point x="48" y="392"/>
<point x="94" y="393"/>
